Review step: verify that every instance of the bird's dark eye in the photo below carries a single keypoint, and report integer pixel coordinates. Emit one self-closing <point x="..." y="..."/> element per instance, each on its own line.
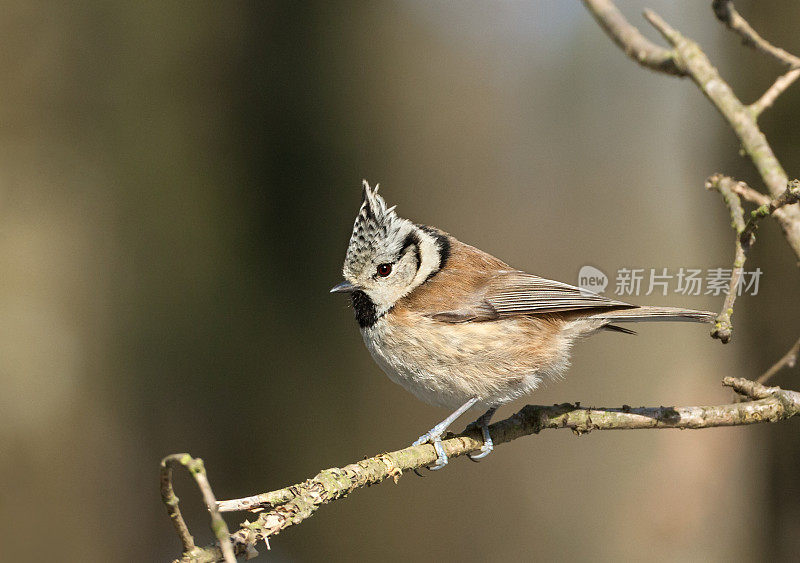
<point x="384" y="270"/>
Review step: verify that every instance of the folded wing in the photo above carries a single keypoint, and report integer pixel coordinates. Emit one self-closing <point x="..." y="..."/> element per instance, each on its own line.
<point x="511" y="292"/>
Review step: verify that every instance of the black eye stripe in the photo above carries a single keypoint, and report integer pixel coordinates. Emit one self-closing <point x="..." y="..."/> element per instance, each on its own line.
<point x="442" y="243"/>
<point x="411" y="240"/>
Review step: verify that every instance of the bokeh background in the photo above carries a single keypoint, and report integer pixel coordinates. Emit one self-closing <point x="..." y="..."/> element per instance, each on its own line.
<point x="178" y="183"/>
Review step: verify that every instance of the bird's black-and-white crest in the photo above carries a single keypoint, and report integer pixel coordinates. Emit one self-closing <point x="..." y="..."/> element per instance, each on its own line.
<point x="376" y="227"/>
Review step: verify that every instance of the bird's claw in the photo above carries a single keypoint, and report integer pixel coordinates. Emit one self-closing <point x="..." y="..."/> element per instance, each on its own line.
<point x="436" y="441"/>
<point x="486" y="449"/>
<point x="434" y="435"/>
<point x="488" y="444"/>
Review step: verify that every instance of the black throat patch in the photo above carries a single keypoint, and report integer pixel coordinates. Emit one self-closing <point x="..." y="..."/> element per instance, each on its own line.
<point x="366" y="313"/>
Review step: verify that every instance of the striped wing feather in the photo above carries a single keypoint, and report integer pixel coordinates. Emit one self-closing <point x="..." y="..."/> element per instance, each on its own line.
<point x="516" y="293"/>
<point x="511" y="293"/>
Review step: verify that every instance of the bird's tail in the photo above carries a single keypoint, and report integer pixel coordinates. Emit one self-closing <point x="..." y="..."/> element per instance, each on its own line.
<point x="645" y="314"/>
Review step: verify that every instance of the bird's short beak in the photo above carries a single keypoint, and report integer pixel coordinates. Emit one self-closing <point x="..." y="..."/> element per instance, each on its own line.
<point x="344" y="287"/>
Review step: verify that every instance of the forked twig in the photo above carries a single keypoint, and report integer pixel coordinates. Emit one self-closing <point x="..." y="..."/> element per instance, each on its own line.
<point x="169" y="498"/>
<point x="728" y="15"/>
<point x="289" y="506"/>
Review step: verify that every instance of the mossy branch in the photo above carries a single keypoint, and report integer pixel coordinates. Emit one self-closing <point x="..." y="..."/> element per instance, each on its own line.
<point x="688" y="59"/>
<point x="289" y="506"/>
<point x="169" y="498"/>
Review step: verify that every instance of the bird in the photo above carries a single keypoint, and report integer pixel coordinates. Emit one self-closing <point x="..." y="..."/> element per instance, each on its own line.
<point x="462" y="329"/>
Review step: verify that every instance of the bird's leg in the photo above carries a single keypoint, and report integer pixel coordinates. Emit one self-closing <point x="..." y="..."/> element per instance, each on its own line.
<point x="434" y="435"/>
<point x="483" y="424"/>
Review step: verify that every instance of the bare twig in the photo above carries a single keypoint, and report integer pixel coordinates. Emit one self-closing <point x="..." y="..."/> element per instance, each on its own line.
<point x="630" y="40"/>
<point x="292" y="505"/>
<point x="777" y="88"/>
<point x="723" y="327"/>
<point x="728" y="15"/>
<point x="745" y="235"/>
<point x="170" y="500"/>
<point x="751" y="195"/>
<point x="699" y="68"/>
<point x="788" y="197"/>
<point x="690" y="60"/>
<point x="707" y="78"/>
<point x="789" y="360"/>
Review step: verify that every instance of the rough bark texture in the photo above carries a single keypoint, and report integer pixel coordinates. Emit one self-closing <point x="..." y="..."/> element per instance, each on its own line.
<point x="286" y="507"/>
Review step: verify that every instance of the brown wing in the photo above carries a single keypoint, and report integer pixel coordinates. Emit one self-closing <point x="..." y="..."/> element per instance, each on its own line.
<point x="476" y="286"/>
<point x="515" y="293"/>
<point x="511" y="293"/>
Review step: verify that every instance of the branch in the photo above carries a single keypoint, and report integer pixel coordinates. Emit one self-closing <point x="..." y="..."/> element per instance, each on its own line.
<point x="745" y="235"/>
<point x="769" y="97"/>
<point x="753" y="196"/>
<point x="292" y="505"/>
<point x="788" y="197"/>
<point x="788" y="360"/>
<point x="699" y="68"/>
<point x="728" y="15"/>
<point x="691" y="61"/>
<point x="218" y="526"/>
<point x="723" y="327"/>
<point x="628" y="38"/>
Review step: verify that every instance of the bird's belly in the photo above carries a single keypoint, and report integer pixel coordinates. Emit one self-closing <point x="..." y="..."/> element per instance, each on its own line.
<point x="447" y="364"/>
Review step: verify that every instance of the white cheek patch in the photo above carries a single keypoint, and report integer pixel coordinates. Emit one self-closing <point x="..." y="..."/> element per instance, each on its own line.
<point x="384" y="293"/>
<point x="430" y="256"/>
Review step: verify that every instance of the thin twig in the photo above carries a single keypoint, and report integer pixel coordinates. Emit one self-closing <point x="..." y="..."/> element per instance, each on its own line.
<point x="728" y="15"/>
<point x="218" y="526"/>
<point x="788" y="197"/>
<point x="691" y="61"/>
<point x="264" y="500"/>
<point x="630" y="40"/>
<point x="777" y="88"/>
<point x="723" y="327"/>
<point x="751" y="195"/>
<point x="754" y="196"/>
<point x="789" y="360"/>
<point x="745" y="236"/>
<point x="707" y="78"/>
<point x="171" y="501"/>
<point x="767" y="404"/>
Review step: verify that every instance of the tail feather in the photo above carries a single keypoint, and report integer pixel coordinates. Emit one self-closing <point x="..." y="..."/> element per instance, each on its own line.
<point x="645" y="314"/>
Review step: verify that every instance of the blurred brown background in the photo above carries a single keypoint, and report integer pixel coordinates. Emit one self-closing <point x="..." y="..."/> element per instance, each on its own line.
<point x="178" y="183"/>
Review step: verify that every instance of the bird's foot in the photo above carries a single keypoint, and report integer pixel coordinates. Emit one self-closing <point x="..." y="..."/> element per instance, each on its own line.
<point x="487" y="447"/>
<point x="434" y="437"/>
<point x="483" y="424"/>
